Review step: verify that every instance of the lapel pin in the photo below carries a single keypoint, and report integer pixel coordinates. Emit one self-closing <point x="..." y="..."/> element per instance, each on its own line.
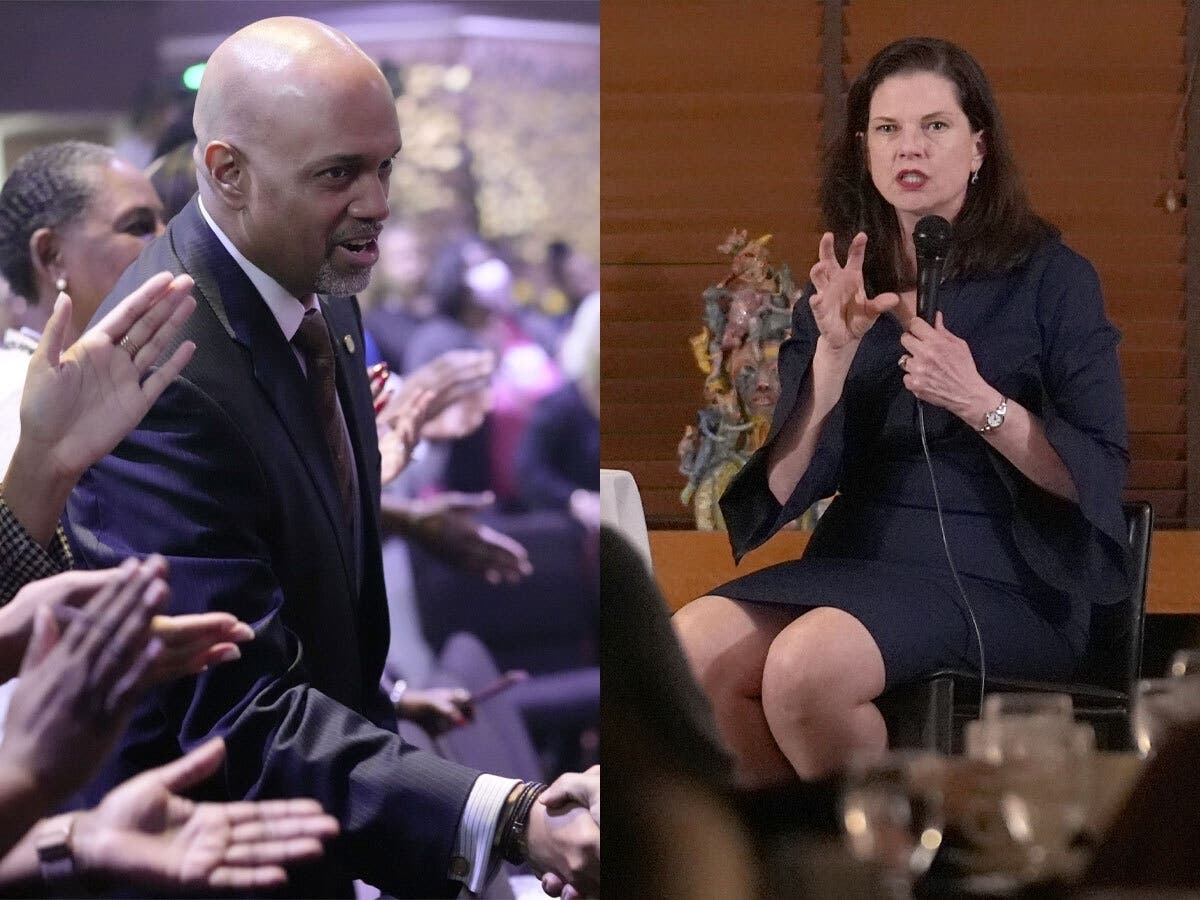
<point x="349" y="342"/>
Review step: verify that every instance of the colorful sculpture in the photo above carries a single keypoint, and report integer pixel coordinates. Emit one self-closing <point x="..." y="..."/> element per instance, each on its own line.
<point x="746" y="317"/>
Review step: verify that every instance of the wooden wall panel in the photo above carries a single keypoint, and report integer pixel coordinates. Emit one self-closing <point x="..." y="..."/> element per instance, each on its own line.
<point x="710" y="120"/>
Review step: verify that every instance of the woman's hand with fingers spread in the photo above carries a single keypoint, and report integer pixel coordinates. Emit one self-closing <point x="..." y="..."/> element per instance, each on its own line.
<point x="79" y="402"/>
<point x="840" y="305"/>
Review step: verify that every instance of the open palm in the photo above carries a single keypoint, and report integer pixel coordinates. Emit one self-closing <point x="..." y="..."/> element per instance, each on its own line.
<point x="146" y="832"/>
<point x="80" y="402"/>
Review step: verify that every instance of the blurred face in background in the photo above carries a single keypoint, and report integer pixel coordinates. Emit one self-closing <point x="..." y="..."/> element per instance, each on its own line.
<point x="400" y="261"/>
<point x="93" y="250"/>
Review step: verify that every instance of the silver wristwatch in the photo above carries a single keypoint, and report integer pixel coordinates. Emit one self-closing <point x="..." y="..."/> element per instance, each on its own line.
<point x="995" y="418"/>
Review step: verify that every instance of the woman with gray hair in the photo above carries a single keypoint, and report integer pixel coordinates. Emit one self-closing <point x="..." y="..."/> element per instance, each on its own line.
<point x="72" y="218"/>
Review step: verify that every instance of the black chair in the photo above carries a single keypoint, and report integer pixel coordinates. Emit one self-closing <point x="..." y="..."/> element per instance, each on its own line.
<point x="931" y="713"/>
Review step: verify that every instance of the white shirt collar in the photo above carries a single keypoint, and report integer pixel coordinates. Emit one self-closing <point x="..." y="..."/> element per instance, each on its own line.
<point x="287" y="310"/>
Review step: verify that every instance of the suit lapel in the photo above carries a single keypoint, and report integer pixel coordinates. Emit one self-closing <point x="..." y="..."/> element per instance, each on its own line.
<point x="235" y="301"/>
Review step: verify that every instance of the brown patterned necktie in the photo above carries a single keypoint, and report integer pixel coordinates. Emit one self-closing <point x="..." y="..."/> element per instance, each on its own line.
<point x="313" y="340"/>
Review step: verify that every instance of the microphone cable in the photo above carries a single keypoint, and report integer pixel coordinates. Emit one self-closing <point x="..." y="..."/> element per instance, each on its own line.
<point x="966" y="603"/>
<point x="932" y="239"/>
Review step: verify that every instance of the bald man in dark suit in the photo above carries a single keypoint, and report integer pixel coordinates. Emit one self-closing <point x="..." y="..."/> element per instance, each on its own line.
<point x="257" y="475"/>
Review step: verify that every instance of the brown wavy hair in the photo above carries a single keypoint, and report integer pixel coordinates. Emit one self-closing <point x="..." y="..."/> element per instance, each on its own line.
<point x="996" y="229"/>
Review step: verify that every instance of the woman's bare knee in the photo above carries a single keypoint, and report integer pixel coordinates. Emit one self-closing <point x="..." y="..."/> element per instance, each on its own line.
<point x="823" y="662"/>
<point x="819" y="677"/>
<point x="726" y="642"/>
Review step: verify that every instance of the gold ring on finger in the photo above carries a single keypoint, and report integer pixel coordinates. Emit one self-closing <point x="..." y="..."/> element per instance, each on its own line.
<point x="129" y="347"/>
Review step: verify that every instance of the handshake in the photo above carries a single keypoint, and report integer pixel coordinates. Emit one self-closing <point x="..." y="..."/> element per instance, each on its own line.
<point x="564" y="835"/>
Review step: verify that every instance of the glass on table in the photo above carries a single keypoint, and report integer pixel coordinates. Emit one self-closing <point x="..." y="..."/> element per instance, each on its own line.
<point x="1047" y="797"/>
<point x="1160" y="706"/>
<point x="1043" y="782"/>
<point x="1053" y="706"/>
<point x="1014" y="725"/>
<point x="892" y="815"/>
<point x="1185" y="664"/>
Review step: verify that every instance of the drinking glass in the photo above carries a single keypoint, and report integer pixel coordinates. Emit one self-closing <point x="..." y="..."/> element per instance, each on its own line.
<point x="1057" y="707"/>
<point x="1046" y="794"/>
<point x="1160" y="706"/>
<point x="1012" y="721"/>
<point x="1042" y="776"/>
<point x="1185" y="664"/>
<point x="892" y="816"/>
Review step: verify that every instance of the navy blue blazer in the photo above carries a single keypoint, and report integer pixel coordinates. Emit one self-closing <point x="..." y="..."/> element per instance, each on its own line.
<point x="229" y="478"/>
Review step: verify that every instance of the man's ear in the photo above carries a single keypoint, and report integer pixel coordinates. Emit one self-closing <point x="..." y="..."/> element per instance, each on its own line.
<point x="45" y="258"/>
<point x="226" y="173"/>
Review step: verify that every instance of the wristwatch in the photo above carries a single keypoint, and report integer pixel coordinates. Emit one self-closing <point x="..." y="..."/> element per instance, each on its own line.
<point x="995" y="418"/>
<point x="56" y="856"/>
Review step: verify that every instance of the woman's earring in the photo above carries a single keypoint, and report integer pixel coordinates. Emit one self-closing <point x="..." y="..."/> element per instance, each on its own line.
<point x="60" y="283"/>
<point x="975" y="177"/>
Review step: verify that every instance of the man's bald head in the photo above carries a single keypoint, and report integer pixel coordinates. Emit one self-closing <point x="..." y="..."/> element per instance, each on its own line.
<point x="296" y="130"/>
<point x="257" y="73"/>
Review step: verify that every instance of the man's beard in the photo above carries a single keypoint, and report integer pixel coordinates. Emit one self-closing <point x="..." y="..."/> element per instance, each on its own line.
<point x="340" y="284"/>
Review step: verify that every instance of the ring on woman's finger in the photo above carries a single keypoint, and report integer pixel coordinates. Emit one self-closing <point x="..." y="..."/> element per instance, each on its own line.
<point x="129" y="347"/>
<point x="903" y="363"/>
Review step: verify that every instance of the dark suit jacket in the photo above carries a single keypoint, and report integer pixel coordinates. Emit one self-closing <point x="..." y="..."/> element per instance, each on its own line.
<point x="228" y="477"/>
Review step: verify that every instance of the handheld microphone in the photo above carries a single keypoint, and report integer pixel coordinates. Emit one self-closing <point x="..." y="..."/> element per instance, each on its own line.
<point x="932" y="240"/>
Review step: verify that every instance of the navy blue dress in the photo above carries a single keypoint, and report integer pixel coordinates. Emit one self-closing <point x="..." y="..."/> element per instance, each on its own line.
<point x="1031" y="564"/>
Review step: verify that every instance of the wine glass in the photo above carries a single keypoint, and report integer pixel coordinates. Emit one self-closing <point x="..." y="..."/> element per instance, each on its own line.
<point x="1046" y="789"/>
<point x="1160" y="706"/>
<point x="1185" y="664"/>
<point x="892" y="816"/>
<point x="1016" y="705"/>
<point x="1013" y="720"/>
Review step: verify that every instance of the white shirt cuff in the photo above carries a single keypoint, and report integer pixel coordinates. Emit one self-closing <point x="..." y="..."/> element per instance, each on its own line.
<point x="472" y="860"/>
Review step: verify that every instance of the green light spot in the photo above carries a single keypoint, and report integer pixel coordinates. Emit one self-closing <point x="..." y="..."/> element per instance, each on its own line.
<point x="192" y="76"/>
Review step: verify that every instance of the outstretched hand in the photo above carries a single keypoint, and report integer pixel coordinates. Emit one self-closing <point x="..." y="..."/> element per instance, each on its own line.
<point x="77" y="689"/>
<point x="445" y="399"/>
<point x="564" y="849"/>
<point x="460" y="381"/>
<point x="840" y="305"/>
<point x="79" y="402"/>
<point x="436" y="710"/>
<point x="190" y="643"/>
<point x="575" y="787"/>
<point x="446" y="526"/>
<point x="398" y="426"/>
<point x="144" y="831"/>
